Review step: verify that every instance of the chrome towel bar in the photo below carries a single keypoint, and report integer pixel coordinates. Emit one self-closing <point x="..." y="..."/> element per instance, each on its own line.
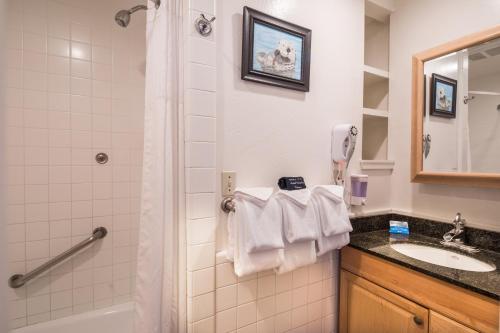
<point x="18" y="280"/>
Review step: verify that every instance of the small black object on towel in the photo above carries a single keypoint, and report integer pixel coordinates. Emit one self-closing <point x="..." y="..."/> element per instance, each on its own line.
<point x="291" y="183"/>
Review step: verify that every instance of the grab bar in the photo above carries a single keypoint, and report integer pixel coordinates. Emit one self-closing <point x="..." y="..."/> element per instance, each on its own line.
<point x="18" y="280"/>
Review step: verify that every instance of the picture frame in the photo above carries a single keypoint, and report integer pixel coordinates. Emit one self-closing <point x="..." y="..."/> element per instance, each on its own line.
<point x="425" y="94"/>
<point x="443" y="101"/>
<point x="275" y="52"/>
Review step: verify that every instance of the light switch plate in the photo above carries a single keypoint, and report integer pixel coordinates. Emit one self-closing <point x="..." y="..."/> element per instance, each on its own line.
<point x="228" y="183"/>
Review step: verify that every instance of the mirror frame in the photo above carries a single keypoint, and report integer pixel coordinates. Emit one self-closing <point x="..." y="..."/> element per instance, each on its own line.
<point x="418" y="175"/>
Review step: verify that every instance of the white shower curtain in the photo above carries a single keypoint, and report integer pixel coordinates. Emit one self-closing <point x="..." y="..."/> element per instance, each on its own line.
<point x="157" y="287"/>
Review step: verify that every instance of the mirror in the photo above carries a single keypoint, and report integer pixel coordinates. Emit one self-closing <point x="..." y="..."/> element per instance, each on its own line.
<point x="456" y="112"/>
<point x="462" y="117"/>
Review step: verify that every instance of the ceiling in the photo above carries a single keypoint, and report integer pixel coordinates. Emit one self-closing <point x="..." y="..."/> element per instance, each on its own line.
<point x="484" y="59"/>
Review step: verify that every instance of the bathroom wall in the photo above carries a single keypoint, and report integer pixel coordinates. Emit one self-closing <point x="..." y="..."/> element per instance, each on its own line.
<point x="264" y="132"/>
<point x="268" y="132"/>
<point x="75" y="87"/>
<point x="417" y="26"/>
<point x="240" y="126"/>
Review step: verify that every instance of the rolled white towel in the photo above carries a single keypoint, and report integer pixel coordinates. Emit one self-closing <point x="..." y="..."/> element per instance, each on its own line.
<point x="299" y="217"/>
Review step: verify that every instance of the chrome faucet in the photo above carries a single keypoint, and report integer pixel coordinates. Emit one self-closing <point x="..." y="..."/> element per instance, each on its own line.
<point x="455" y="237"/>
<point x="457" y="233"/>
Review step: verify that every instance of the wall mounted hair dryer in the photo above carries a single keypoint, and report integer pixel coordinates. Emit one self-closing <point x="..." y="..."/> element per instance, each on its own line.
<point x="343" y="143"/>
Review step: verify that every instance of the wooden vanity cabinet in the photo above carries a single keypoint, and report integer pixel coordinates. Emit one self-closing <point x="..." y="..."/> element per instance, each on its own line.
<point x="377" y="296"/>
<point x="441" y="324"/>
<point x="366" y="307"/>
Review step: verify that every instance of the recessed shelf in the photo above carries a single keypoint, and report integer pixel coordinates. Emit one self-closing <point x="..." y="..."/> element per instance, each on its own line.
<point x="377" y="164"/>
<point x="375" y="113"/>
<point x="374" y="152"/>
<point x="375" y="91"/>
<point x="374" y="138"/>
<point x="376" y="44"/>
<point x="376" y="73"/>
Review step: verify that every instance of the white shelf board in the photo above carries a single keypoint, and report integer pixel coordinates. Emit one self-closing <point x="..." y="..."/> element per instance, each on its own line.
<point x="376" y="71"/>
<point x="377" y="164"/>
<point x="379" y="10"/>
<point x="375" y="113"/>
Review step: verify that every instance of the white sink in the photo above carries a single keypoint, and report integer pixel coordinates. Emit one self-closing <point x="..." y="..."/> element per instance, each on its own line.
<point x="442" y="257"/>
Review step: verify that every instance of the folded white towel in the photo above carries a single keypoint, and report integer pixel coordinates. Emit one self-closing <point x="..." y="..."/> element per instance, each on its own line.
<point x="334" y="218"/>
<point x="244" y="233"/>
<point x="299" y="217"/>
<point x="258" y="194"/>
<point x="231" y="237"/>
<point x="334" y="242"/>
<point x="297" y="255"/>
<point x="331" y="209"/>
<point x="248" y="263"/>
<point x="260" y="215"/>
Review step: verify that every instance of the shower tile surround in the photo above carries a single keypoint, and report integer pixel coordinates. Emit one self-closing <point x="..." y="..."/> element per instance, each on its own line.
<point x="75" y="87"/>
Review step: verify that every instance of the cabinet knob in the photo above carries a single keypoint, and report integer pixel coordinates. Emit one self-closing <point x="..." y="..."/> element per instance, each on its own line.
<point x="418" y="320"/>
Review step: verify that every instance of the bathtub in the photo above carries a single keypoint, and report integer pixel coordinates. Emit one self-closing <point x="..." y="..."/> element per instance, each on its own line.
<point x="113" y="319"/>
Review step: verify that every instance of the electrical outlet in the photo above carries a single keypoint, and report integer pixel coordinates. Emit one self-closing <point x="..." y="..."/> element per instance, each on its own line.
<point x="228" y="183"/>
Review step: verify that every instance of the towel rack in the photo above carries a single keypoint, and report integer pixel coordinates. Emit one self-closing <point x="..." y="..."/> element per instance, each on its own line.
<point x="18" y="280"/>
<point x="227" y="205"/>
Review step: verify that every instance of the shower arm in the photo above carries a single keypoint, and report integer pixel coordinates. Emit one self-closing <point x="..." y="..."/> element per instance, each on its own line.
<point x="141" y="7"/>
<point x="136" y="8"/>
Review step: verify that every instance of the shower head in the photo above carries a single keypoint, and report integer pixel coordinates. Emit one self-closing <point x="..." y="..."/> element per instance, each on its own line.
<point x="122" y="18"/>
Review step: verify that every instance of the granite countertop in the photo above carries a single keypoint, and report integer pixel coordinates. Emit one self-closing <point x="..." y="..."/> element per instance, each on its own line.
<point x="378" y="243"/>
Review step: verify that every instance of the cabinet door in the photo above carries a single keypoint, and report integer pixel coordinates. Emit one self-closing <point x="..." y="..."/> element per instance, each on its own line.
<point x="442" y="324"/>
<point x="366" y="307"/>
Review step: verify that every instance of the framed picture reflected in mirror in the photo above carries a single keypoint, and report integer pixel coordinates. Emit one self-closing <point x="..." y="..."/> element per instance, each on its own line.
<point x="443" y="96"/>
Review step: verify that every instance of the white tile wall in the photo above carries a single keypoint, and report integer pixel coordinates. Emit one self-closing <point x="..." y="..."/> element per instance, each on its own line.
<point x="299" y="301"/>
<point x="200" y="184"/>
<point x="75" y="87"/>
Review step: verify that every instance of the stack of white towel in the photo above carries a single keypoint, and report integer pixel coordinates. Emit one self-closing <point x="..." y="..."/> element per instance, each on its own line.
<point x="334" y="225"/>
<point x="286" y="230"/>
